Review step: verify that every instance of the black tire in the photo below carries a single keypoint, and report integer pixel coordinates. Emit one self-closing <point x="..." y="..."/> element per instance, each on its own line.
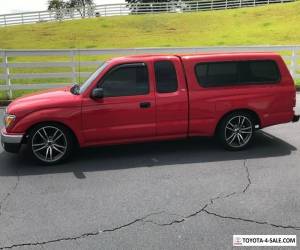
<point x="50" y="143"/>
<point x="236" y="131"/>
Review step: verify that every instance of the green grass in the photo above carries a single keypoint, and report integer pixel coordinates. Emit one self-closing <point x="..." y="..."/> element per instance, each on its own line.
<point x="276" y="24"/>
<point x="273" y="24"/>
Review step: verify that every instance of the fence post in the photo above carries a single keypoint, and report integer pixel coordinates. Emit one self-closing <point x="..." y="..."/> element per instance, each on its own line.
<point x="253" y="2"/>
<point x="293" y="62"/>
<point x="226" y="4"/>
<point x="4" y="17"/>
<point x="212" y="4"/>
<point x="7" y="75"/>
<point x="73" y="62"/>
<point x="22" y="18"/>
<point x="240" y="3"/>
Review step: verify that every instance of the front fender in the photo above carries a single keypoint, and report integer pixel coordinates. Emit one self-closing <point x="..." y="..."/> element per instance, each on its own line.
<point x="70" y="117"/>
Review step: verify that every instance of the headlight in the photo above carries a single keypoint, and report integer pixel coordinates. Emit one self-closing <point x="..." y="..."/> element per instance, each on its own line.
<point x="9" y="120"/>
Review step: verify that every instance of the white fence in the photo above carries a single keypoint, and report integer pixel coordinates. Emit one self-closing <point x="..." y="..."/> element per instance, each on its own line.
<point x="126" y="9"/>
<point x="24" y="60"/>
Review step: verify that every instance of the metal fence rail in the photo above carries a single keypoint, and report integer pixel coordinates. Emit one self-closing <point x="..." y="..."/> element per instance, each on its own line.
<point x="126" y="9"/>
<point x="8" y="63"/>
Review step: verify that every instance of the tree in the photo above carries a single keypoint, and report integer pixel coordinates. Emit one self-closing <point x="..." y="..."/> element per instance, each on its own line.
<point x="56" y="4"/>
<point x="62" y="8"/>
<point x="84" y="7"/>
<point x="58" y="7"/>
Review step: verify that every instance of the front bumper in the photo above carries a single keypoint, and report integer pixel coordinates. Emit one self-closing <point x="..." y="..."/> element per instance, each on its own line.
<point x="296" y="118"/>
<point x="11" y="142"/>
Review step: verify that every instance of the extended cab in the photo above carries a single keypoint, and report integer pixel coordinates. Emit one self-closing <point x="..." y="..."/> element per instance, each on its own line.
<point x="156" y="97"/>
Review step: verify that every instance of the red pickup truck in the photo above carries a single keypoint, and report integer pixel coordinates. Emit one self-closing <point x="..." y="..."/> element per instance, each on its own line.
<point x="156" y="97"/>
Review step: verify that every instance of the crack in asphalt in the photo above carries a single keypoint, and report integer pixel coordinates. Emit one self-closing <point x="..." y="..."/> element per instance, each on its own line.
<point x="9" y="193"/>
<point x="248" y="176"/>
<point x="252" y="221"/>
<point x="95" y="233"/>
<point x="244" y="219"/>
<point x="174" y="221"/>
<point x="235" y="193"/>
<point x="177" y="221"/>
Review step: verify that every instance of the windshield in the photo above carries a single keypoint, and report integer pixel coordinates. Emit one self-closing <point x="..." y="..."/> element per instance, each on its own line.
<point x="92" y="77"/>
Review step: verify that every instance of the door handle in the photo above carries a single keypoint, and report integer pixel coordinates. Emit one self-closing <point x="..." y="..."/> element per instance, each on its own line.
<point x="145" y="105"/>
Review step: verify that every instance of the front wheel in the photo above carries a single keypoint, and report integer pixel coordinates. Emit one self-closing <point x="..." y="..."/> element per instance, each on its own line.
<point x="50" y="144"/>
<point x="236" y="131"/>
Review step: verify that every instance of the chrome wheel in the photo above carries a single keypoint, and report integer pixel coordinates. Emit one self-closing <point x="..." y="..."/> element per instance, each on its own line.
<point x="238" y="131"/>
<point x="49" y="144"/>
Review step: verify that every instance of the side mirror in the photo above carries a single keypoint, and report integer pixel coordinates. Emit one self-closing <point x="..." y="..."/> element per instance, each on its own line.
<point x="97" y="93"/>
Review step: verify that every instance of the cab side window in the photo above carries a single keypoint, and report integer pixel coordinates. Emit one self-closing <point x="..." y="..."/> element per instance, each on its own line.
<point x="126" y="80"/>
<point x="166" y="79"/>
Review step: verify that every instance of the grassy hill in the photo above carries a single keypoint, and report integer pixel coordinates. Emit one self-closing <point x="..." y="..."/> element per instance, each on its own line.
<point x="273" y="24"/>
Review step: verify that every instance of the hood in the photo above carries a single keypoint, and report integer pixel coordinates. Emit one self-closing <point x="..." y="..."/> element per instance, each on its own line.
<point x="55" y="98"/>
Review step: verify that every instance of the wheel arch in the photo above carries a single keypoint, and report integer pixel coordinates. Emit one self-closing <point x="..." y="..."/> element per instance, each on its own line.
<point x="253" y="114"/>
<point x="74" y="137"/>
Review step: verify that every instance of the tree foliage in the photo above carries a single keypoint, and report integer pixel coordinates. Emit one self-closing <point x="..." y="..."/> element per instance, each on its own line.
<point x="62" y="8"/>
<point x="56" y="4"/>
<point x="82" y="6"/>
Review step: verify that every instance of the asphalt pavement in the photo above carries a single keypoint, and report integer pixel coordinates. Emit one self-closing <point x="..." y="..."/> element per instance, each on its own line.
<point x="187" y="194"/>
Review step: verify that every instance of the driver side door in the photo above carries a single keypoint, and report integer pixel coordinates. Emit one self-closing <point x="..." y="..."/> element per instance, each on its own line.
<point x="127" y="110"/>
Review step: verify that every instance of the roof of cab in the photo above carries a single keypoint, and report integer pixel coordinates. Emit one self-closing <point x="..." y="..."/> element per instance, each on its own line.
<point x="199" y="55"/>
<point x="229" y="55"/>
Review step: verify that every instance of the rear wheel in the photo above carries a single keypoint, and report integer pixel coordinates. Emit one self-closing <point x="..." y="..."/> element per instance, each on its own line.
<point x="236" y="131"/>
<point x="50" y="144"/>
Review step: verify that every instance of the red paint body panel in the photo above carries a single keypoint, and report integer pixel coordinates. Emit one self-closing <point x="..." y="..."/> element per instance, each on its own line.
<point x="273" y="103"/>
<point x="172" y="108"/>
<point x="190" y="111"/>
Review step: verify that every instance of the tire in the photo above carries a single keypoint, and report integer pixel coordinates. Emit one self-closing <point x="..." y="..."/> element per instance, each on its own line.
<point x="236" y="131"/>
<point x="50" y="144"/>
